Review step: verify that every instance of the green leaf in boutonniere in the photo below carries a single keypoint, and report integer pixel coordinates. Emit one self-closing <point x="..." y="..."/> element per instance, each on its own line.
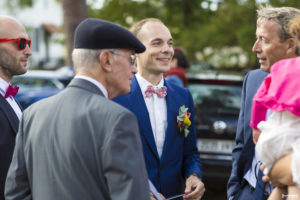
<point x="183" y="120"/>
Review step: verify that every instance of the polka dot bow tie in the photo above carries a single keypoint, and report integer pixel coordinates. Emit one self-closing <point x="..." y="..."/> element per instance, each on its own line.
<point x="11" y="91"/>
<point x="161" y="92"/>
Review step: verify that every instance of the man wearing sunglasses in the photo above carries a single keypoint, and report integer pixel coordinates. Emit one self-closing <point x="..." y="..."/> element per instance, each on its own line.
<point x="14" y="54"/>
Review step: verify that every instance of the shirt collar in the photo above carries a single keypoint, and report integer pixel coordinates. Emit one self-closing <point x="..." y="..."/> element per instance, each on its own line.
<point x="143" y="83"/>
<point x="3" y="86"/>
<point x="95" y="82"/>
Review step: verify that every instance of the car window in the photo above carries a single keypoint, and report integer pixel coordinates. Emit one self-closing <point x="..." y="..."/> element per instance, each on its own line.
<point x="216" y="99"/>
<point x="35" y="83"/>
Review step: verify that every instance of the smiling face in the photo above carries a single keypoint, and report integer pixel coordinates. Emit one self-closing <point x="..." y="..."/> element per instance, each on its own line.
<point x="159" y="49"/>
<point x="12" y="60"/>
<point x="268" y="46"/>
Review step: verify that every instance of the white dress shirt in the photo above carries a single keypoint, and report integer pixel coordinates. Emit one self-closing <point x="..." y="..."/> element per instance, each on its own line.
<point x="95" y="82"/>
<point x="12" y="102"/>
<point x="157" y="109"/>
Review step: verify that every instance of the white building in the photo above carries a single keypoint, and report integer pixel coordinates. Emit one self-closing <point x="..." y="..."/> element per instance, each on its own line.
<point x="43" y="23"/>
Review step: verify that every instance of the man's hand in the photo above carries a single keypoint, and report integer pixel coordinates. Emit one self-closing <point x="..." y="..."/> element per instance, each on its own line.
<point x="281" y="173"/>
<point x="153" y="198"/>
<point x="255" y="135"/>
<point x="194" y="188"/>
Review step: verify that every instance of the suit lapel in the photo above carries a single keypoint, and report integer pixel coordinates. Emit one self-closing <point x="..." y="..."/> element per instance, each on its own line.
<point x="9" y="113"/>
<point x="139" y="107"/>
<point x="172" y="112"/>
<point x="21" y="108"/>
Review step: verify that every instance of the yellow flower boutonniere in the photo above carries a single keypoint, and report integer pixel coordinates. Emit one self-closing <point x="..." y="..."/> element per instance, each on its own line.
<point x="183" y="120"/>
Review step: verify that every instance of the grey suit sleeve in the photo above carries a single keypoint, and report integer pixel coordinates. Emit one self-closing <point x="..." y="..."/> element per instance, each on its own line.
<point x="123" y="162"/>
<point x="17" y="184"/>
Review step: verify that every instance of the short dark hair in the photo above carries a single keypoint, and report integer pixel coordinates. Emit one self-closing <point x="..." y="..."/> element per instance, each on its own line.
<point x="181" y="58"/>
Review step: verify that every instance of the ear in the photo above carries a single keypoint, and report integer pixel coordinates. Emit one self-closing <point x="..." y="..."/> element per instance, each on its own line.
<point x="292" y="46"/>
<point x="106" y="61"/>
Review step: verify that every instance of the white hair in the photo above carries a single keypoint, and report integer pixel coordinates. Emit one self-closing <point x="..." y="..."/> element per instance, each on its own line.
<point x="85" y="58"/>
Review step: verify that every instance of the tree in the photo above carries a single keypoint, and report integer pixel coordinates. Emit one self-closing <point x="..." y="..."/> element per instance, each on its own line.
<point x="74" y="12"/>
<point x="196" y="25"/>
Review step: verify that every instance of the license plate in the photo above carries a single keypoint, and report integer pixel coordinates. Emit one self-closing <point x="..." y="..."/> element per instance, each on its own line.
<point x="216" y="146"/>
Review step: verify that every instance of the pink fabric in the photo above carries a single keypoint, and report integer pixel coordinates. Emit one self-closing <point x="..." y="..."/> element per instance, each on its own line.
<point x="11" y="91"/>
<point x="161" y="92"/>
<point x="280" y="91"/>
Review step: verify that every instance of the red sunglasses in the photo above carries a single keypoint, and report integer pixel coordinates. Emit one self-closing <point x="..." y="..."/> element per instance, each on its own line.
<point x="22" y="42"/>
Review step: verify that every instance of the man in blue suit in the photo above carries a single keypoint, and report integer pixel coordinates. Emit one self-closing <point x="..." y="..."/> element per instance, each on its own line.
<point x="273" y="43"/>
<point x="170" y="153"/>
<point x="14" y="53"/>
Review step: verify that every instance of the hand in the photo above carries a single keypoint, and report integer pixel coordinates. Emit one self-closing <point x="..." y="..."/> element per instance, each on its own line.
<point x="153" y="198"/>
<point x="255" y="135"/>
<point x="266" y="178"/>
<point x="281" y="173"/>
<point x="194" y="188"/>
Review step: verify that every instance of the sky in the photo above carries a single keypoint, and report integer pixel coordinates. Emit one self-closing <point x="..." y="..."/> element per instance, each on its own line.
<point x="96" y="3"/>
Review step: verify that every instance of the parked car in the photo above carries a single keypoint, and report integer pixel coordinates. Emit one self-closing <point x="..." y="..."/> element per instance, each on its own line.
<point x="38" y="84"/>
<point x="217" y="99"/>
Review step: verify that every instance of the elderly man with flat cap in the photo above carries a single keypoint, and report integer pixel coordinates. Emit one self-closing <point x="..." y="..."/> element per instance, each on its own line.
<point x="79" y="144"/>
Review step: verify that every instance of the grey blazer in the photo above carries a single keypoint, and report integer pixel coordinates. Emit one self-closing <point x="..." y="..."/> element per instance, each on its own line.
<point x="77" y="145"/>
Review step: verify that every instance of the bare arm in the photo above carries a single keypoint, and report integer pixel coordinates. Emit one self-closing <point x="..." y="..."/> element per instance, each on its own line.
<point x="281" y="173"/>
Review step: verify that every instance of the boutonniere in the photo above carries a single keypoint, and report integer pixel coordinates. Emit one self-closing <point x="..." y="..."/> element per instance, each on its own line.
<point x="183" y="120"/>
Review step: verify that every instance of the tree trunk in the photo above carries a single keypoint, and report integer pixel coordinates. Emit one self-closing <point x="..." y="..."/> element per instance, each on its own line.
<point x="74" y="12"/>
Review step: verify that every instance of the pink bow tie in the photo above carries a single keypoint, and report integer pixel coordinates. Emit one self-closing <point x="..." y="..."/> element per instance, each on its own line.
<point x="161" y="92"/>
<point x="11" y="91"/>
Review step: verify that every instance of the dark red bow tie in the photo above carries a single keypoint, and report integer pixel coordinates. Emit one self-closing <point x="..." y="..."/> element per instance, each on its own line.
<point x="11" y="91"/>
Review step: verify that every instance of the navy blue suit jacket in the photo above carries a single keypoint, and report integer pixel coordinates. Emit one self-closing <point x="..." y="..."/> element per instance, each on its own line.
<point x="180" y="157"/>
<point x="9" y="124"/>
<point x="242" y="154"/>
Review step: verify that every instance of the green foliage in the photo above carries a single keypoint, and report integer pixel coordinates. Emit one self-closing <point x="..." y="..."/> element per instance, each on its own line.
<point x="19" y="3"/>
<point x="193" y="24"/>
<point x="125" y="12"/>
<point x="289" y="3"/>
<point x="196" y="25"/>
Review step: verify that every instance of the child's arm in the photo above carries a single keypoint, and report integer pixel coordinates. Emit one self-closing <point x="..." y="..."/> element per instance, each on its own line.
<point x="278" y="193"/>
<point x="281" y="173"/>
<point x="255" y="135"/>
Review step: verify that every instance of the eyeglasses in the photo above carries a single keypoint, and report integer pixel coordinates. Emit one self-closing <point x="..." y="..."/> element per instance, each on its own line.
<point x="22" y="42"/>
<point x="132" y="57"/>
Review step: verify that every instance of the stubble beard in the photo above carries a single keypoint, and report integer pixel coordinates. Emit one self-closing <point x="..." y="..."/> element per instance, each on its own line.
<point x="9" y="64"/>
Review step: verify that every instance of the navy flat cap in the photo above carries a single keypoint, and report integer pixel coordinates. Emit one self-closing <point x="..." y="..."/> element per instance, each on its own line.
<point x="94" y="33"/>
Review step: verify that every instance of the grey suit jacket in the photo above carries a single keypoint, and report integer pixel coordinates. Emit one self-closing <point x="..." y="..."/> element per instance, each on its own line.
<point x="77" y="145"/>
